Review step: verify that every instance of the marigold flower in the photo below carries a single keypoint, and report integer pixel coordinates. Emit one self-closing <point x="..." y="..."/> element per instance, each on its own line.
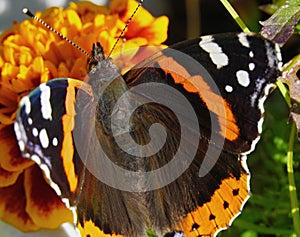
<point x="29" y="55"/>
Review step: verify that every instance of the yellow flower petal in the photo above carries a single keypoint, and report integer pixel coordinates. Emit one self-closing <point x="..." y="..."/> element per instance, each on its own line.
<point x="74" y="19"/>
<point x="25" y="56"/>
<point x="8" y="71"/>
<point x="154" y="34"/>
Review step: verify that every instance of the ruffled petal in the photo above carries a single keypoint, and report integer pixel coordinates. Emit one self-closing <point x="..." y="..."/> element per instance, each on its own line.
<point x="8" y="178"/>
<point x="12" y="206"/>
<point x="11" y="159"/>
<point x="43" y="205"/>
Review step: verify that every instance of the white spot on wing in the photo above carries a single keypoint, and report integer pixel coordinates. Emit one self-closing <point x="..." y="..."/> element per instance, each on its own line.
<point x="216" y="54"/>
<point x="228" y="88"/>
<point x="21" y="137"/>
<point x="177" y="234"/>
<point x="47" y="173"/>
<point x="44" y="139"/>
<point x="21" y="145"/>
<point x="25" y="101"/>
<point x="274" y="57"/>
<point x="251" y="66"/>
<point x="243" y="78"/>
<point x="29" y="120"/>
<point x="36" y="159"/>
<point x="46" y="107"/>
<point x="243" y="40"/>
<point x="54" y="141"/>
<point x="258" y="85"/>
<point x="251" y="54"/>
<point x="35" y="132"/>
<point x="279" y="56"/>
<point x="17" y="130"/>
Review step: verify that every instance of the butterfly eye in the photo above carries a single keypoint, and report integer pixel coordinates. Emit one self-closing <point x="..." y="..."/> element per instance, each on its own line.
<point x="91" y="64"/>
<point x="97" y="56"/>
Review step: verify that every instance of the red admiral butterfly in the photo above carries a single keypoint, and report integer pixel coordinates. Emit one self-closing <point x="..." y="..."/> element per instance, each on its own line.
<point x="216" y="85"/>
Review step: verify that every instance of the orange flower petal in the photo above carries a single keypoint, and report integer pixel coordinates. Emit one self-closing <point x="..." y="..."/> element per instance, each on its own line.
<point x="24" y="81"/>
<point x="8" y="51"/>
<point x="9" y="71"/>
<point x="87" y="10"/>
<point x="43" y="205"/>
<point x="63" y="70"/>
<point x="65" y="51"/>
<point x="154" y="33"/>
<point x="51" y="69"/>
<point x="79" y="69"/>
<point x="118" y="6"/>
<point x="11" y="159"/>
<point x="7" y="116"/>
<point x="8" y="96"/>
<point x="38" y="65"/>
<point x="12" y="206"/>
<point x="1" y="60"/>
<point x="142" y="18"/>
<point x="8" y="178"/>
<point x="6" y="34"/>
<point x="52" y="54"/>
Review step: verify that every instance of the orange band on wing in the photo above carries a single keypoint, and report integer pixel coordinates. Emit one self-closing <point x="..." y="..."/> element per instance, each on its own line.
<point x="214" y="102"/>
<point x="217" y="105"/>
<point x="90" y="229"/>
<point x="224" y="206"/>
<point x="68" y="121"/>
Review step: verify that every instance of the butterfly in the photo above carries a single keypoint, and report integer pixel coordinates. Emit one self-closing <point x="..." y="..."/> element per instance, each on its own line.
<point x="162" y="147"/>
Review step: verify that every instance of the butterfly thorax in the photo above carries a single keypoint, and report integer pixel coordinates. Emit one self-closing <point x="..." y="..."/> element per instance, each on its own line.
<point x="108" y="86"/>
<point x="102" y="71"/>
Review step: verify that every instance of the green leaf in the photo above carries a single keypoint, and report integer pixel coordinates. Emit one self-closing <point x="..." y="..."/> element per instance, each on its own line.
<point x="281" y="25"/>
<point x="290" y="77"/>
<point x="273" y="7"/>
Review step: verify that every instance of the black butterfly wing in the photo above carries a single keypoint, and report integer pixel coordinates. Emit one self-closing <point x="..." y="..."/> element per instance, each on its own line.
<point x="44" y="129"/>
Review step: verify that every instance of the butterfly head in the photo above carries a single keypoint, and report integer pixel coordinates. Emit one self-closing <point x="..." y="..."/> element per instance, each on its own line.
<point x="97" y="56"/>
<point x="101" y="68"/>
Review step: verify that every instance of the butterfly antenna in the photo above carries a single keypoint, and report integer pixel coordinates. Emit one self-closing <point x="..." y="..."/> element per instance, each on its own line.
<point x="127" y="23"/>
<point x="30" y="14"/>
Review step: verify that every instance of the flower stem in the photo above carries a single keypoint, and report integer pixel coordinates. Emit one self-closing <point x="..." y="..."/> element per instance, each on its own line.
<point x="292" y="186"/>
<point x="283" y="90"/>
<point x="235" y="15"/>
